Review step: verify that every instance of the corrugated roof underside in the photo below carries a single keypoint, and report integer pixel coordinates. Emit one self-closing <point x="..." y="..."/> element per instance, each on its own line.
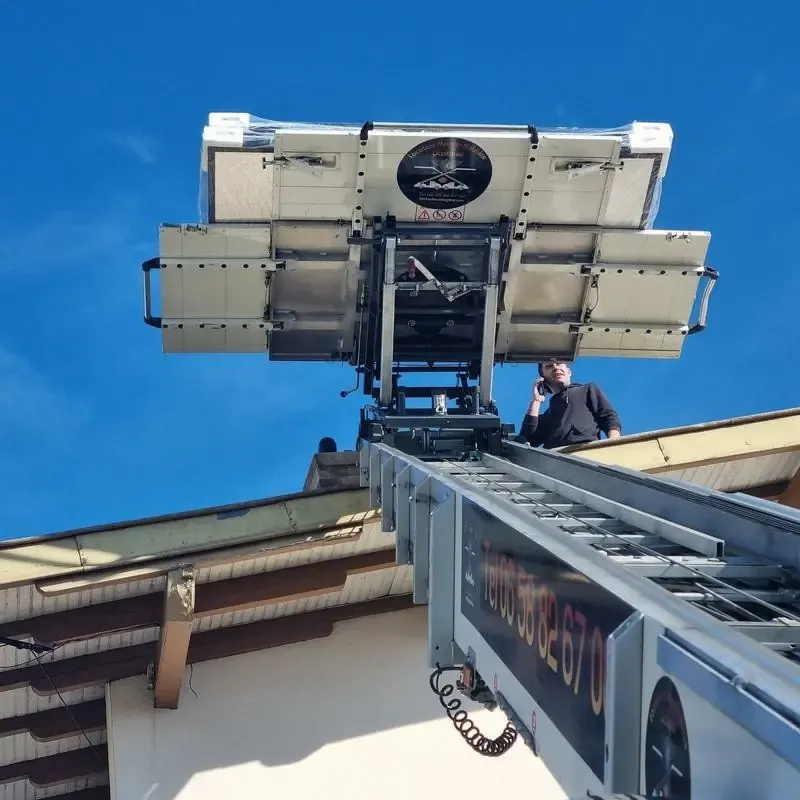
<point x="23" y="790"/>
<point x="22" y="602"/>
<point x="743" y="473"/>
<point x="358" y="588"/>
<point x="23" y="747"/>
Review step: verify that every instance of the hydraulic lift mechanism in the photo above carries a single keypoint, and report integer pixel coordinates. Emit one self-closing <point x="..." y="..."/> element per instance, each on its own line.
<point x="638" y="633"/>
<point x="425" y="254"/>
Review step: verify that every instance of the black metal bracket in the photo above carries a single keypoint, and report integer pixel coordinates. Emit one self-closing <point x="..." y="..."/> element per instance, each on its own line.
<point x="31" y="646"/>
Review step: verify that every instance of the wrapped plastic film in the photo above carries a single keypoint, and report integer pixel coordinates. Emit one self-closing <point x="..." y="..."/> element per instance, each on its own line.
<point x="643" y="146"/>
<point x="636" y="139"/>
<point x="234" y="131"/>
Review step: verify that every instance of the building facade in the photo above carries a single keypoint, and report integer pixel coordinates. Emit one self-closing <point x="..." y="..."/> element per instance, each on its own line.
<point x="271" y="648"/>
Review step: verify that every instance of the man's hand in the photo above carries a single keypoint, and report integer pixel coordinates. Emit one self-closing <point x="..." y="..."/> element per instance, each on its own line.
<point x="613" y="434"/>
<point x="537" y="399"/>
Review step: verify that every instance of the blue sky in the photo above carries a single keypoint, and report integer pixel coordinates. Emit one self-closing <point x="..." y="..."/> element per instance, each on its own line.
<point x="102" y="109"/>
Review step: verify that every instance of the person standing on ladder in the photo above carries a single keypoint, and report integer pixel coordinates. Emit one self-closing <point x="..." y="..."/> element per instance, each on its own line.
<point x="578" y="412"/>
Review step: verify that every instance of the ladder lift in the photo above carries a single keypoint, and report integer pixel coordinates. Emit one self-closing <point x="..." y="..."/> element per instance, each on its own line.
<point x="638" y="633"/>
<point x="641" y="634"/>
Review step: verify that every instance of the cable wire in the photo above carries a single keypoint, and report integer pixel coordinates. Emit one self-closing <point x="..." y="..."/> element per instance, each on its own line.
<point x="30" y="661"/>
<point x="69" y="709"/>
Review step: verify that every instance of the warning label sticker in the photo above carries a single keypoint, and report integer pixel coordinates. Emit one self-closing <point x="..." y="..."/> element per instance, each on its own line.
<point x="444" y="173"/>
<point x="438" y="214"/>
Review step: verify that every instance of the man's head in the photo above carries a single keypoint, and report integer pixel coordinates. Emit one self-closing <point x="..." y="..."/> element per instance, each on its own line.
<point x="556" y="374"/>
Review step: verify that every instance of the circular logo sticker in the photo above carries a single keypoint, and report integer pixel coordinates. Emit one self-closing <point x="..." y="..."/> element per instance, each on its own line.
<point x="666" y="759"/>
<point x="444" y="173"/>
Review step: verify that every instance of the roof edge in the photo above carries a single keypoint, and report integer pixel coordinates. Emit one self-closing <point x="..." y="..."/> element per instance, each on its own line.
<point x="723" y="441"/>
<point x="228" y="508"/>
<point x="97" y="549"/>
<point x="661" y="433"/>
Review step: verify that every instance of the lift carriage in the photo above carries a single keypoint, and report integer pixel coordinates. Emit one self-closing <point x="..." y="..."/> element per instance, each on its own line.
<point x="416" y="248"/>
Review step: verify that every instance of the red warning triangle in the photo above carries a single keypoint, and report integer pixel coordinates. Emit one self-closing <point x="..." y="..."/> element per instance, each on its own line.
<point x="424" y="215"/>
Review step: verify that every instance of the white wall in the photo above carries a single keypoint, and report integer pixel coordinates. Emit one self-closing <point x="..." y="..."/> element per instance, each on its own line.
<point x="351" y="717"/>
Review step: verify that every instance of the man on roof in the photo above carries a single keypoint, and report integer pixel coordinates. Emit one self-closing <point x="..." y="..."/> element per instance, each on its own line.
<point x="578" y="412"/>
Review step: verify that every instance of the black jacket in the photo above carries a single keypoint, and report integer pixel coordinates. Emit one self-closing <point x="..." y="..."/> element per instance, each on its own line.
<point x="576" y="414"/>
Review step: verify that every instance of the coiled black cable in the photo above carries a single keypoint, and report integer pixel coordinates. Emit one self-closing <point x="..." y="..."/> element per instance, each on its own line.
<point x="463" y="724"/>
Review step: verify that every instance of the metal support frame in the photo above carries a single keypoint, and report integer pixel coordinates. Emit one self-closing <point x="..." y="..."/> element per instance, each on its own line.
<point x="445" y="521"/>
<point x="419" y="540"/>
<point x="610" y="168"/>
<point x="355" y="245"/>
<point x="624" y="717"/>
<point x="736" y="520"/>
<point x="490" y="323"/>
<point x="477" y="361"/>
<point x="472" y="423"/>
<point x="387" y="321"/>
<point x="690" y="538"/>
<point x="403" y="516"/>
<point x="388" y="497"/>
<point x="737" y="698"/>
<point x="639" y="593"/>
<point x="456" y="421"/>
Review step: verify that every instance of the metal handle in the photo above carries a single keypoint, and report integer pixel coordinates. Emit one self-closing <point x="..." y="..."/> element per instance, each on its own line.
<point x="147" y="266"/>
<point x="700" y="325"/>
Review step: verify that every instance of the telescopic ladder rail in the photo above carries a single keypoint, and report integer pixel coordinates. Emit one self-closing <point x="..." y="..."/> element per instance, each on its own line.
<point x="704" y="570"/>
<point x="715" y="575"/>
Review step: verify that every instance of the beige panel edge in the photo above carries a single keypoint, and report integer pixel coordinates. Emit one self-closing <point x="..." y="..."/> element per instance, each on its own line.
<point x="729" y="422"/>
<point x="172" y="537"/>
<point x="641" y="456"/>
<point x="201" y="560"/>
<point x="745" y="441"/>
<point x="28" y="562"/>
<point x="694" y="448"/>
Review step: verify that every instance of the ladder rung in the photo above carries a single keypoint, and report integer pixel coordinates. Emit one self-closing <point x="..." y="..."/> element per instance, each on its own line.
<point x="689" y="567"/>
<point x="599" y="540"/>
<point x="592" y="523"/>
<point x="573" y="509"/>
<point x="528" y="492"/>
<point x="786" y="649"/>
<point x="769" y="632"/>
<point x="662" y="553"/>
<point x="713" y="594"/>
<point x="455" y="469"/>
<point x="506" y="484"/>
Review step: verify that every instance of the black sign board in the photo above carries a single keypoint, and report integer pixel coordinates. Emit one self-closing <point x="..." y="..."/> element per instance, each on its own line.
<point x="547" y="622"/>
<point x="444" y="173"/>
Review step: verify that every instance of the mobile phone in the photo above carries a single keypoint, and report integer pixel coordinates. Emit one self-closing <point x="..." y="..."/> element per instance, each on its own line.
<point x="544" y="388"/>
